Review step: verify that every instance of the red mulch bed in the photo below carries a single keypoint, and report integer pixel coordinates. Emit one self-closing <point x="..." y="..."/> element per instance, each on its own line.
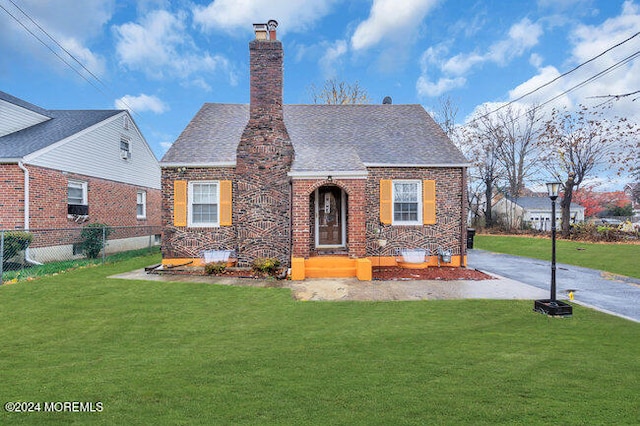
<point x="390" y="273"/>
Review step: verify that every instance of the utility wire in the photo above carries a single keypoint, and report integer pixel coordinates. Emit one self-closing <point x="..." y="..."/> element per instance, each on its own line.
<point x="556" y="79"/>
<point x="83" y="76"/>
<point x="58" y="44"/>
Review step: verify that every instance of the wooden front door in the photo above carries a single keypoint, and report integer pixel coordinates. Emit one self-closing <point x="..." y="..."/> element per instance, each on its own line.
<point x="330" y="217"/>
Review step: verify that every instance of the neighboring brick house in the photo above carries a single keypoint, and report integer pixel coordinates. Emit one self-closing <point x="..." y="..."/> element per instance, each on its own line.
<point x="68" y="168"/>
<point x="315" y="186"/>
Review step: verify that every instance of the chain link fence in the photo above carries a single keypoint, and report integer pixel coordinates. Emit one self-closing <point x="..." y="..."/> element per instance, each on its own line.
<point x="40" y="251"/>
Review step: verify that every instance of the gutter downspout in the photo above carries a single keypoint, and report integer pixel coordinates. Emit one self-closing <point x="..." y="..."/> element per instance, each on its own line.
<point x="26" y="210"/>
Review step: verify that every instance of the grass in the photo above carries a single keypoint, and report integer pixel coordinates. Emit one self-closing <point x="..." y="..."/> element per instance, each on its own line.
<point x="615" y="258"/>
<point x="50" y="268"/>
<point x="185" y="353"/>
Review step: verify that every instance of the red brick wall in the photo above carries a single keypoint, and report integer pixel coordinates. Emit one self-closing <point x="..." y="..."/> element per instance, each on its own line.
<point x="450" y="229"/>
<point x="109" y="202"/>
<point x="304" y="222"/>
<point x="11" y="197"/>
<point x="184" y="242"/>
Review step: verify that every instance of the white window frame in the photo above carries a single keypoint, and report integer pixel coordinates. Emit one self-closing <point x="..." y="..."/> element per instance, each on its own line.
<point x="190" y="199"/>
<point x="78" y="184"/>
<point x="393" y="202"/>
<point x="141" y="199"/>
<point x="125" y="154"/>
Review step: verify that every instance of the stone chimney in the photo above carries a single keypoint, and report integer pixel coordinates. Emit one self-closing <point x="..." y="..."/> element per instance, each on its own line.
<point x="262" y="196"/>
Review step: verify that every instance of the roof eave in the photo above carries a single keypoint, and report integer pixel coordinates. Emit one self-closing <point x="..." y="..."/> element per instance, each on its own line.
<point x="441" y="165"/>
<point x="173" y="165"/>
<point x="329" y="174"/>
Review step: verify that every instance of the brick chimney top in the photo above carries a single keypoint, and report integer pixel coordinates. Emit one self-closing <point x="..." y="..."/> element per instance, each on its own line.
<point x="266" y="31"/>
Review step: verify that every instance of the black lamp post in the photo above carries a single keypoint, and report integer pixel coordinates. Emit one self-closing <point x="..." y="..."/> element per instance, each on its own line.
<point x="552" y="306"/>
<point x="553" y="188"/>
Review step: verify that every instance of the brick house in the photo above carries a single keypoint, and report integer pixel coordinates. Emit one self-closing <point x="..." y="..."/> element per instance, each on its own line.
<point x="315" y="186"/>
<point x="68" y="168"/>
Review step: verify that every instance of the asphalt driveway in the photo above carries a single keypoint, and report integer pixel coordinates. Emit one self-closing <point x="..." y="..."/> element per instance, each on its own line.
<point x="604" y="291"/>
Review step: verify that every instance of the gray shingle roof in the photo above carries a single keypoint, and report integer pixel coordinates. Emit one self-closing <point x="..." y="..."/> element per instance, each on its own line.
<point x="324" y="137"/>
<point x="63" y="123"/>
<point x="538" y="203"/>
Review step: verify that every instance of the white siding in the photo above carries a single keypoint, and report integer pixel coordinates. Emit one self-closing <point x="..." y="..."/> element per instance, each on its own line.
<point x="96" y="152"/>
<point x="14" y="118"/>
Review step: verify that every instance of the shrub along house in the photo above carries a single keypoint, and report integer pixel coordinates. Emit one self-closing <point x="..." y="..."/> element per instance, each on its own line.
<point x="63" y="169"/>
<point x="329" y="190"/>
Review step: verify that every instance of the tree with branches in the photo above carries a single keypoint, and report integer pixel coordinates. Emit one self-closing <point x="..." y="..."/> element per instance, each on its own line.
<point x="334" y="92"/>
<point x="575" y="144"/>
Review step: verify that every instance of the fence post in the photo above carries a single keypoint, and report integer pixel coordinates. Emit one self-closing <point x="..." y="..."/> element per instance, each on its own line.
<point x="1" y="254"/>
<point x="104" y="243"/>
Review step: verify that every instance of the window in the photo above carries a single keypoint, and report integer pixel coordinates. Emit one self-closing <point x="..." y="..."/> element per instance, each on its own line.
<point x="204" y="203"/>
<point x="407" y="202"/>
<point x="77" y="198"/>
<point x="141" y="205"/>
<point x="125" y="148"/>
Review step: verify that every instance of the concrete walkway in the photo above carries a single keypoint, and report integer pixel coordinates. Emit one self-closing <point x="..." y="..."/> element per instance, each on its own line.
<point x="613" y="294"/>
<point x="336" y="289"/>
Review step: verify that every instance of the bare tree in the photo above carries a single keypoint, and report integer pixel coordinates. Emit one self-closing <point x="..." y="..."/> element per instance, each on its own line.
<point x="335" y="92"/>
<point x="483" y="138"/>
<point x="446" y="116"/>
<point x="575" y="144"/>
<point x="519" y="132"/>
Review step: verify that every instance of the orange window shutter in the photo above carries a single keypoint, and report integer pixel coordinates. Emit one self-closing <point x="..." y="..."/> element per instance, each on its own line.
<point x="225" y="203"/>
<point x="429" y="202"/>
<point x="386" y="202"/>
<point x="180" y="203"/>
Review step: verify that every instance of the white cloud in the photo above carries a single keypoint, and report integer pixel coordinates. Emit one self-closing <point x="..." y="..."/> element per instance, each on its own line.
<point x="160" y="46"/>
<point x="390" y="19"/>
<point x="332" y="55"/>
<point x="74" y="31"/>
<point x="141" y="103"/>
<point x="587" y="42"/>
<point x="234" y="15"/>
<point x="521" y="37"/>
<point x="443" y="85"/>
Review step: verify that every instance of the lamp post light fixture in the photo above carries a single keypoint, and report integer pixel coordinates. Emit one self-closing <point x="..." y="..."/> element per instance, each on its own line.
<point x="552" y="306"/>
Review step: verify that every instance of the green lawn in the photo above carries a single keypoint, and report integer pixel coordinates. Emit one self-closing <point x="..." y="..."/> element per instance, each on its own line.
<point x="182" y="353"/>
<point x="623" y="259"/>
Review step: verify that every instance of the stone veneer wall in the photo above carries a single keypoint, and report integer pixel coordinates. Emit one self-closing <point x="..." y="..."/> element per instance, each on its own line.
<point x="262" y="201"/>
<point x="184" y="242"/>
<point x="449" y="231"/>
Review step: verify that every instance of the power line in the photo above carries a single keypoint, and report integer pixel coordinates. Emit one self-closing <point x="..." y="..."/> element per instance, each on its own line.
<point x="84" y="77"/>
<point x="561" y="76"/>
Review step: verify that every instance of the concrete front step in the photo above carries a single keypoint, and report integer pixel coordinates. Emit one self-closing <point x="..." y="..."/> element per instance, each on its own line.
<point x="331" y="267"/>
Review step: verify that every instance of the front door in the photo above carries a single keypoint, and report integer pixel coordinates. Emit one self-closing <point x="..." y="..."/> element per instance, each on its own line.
<point x="330" y="217"/>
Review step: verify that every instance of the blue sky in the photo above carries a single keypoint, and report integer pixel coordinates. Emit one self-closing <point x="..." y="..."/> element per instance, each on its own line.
<point x="166" y="58"/>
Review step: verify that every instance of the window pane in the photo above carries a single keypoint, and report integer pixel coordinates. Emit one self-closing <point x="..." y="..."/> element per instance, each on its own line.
<point x="75" y="193"/>
<point x="405" y="212"/>
<point x="204" y="213"/>
<point x="205" y="193"/>
<point x="405" y="191"/>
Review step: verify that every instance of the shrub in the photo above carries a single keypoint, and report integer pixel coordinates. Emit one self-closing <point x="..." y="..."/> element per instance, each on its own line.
<point x="94" y="238"/>
<point x="215" y="268"/>
<point x="265" y="265"/>
<point x="15" y="241"/>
